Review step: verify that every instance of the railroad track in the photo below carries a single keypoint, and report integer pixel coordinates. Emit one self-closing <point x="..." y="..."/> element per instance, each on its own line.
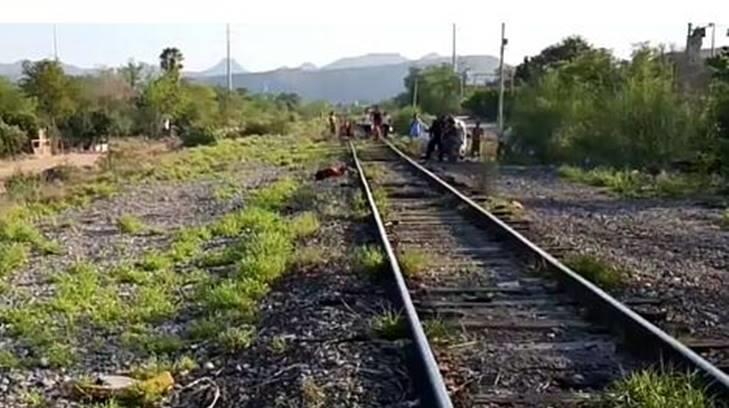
<point x="523" y="329"/>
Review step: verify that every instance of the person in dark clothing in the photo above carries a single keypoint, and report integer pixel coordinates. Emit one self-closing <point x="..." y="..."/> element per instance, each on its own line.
<point x="377" y="122"/>
<point x="436" y="138"/>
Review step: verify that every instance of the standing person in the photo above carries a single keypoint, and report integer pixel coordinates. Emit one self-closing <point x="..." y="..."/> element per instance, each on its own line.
<point x="386" y="125"/>
<point x="332" y="124"/>
<point x="436" y="138"/>
<point x="503" y="139"/>
<point x="417" y="127"/>
<point x="451" y="140"/>
<point x="476" y="135"/>
<point x="377" y="122"/>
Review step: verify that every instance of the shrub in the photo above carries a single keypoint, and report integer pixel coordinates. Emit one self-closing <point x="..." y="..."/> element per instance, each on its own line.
<point x="196" y="136"/>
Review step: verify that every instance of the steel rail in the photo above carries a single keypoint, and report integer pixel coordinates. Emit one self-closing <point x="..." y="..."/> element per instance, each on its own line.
<point x="639" y="335"/>
<point x="435" y="391"/>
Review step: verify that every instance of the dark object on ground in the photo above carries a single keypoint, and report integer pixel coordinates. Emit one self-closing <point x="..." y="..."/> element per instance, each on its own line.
<point x="333" y="171"/>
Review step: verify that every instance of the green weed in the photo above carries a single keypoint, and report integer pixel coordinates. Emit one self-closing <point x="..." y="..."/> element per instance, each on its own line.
<point x="236" y="338"/>
<point x="130" y="224"/>
<point x="724" y="219"/>
<point x="275" y="196"/>
<point x="436" y="330"/>
<point x="413" y="262"/>
<point x="597" y="271"/>
<point x="368" y="260"/>
<point x="12" y="256"/>
<point x="389" y="325"/>
<point x="657" y="389"/>
<point x="278" y="344"/>
<point x="309" y="256"/>
<point x="304" y="225"/>
<point x="8" y="360"/>
<point x="34" y="399"/>
<point x="155" y="261"/>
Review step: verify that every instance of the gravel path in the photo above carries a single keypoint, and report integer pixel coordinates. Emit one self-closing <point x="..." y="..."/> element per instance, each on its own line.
<point x="673" y="249"/>
<point x="314" y="346"/>
<point x="91" y="234"/>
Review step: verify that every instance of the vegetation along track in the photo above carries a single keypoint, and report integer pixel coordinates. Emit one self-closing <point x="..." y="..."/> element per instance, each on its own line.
<point x="509" y="325"/>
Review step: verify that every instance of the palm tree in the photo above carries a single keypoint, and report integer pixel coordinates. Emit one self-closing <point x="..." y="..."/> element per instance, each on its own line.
<point x="171" y="60"/>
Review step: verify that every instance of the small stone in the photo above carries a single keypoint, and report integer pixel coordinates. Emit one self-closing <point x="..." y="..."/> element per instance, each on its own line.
<point x="44" y="362"/>
<point x="209" y="366"/>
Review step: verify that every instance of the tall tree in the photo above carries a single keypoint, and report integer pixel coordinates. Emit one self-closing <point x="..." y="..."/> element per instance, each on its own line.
<point x="132" y="73"/>
<point x="51" y="87"/>
<point x="438" y="89"/>
<point x="564" y="51"/>
<point x="171" y="60"/>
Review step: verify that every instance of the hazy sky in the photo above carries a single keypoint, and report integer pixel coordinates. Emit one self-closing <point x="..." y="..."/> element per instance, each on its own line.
<point x="275" y="33"/>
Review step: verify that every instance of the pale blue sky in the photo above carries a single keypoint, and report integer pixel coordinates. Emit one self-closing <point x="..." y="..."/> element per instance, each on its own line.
<point x="268" y="46"/>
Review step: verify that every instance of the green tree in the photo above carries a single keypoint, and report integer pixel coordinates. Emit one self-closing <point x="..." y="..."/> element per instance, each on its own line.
<point x="132" y="73"/>
<point x="484" y="103"/>
<point x="438" y="89"/>
<point x="13" y="139"/>
<point x="16" y="109"/>
<point x="554" y="55"/>
<point x="52" y="88"/>
<point x="170" y="60"/>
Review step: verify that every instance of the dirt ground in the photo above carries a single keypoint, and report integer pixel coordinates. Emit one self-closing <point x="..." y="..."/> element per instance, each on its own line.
<point x="36" y="165"/>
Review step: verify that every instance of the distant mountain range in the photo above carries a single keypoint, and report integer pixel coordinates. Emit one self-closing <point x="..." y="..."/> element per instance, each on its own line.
<point x="366" y="78"/>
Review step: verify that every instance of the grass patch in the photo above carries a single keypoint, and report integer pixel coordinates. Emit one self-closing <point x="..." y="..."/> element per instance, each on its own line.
<point x="597" y="271"/>
<point x="312" y="394"/>
<point x="8" y="360"/>
<point x="413" y="262"/>
<point x="278" y="345"/>
<point x="368" y="260"/>
<point x="382" y="201"/>
<point x="275" y="196"/>
<point x="634" y="183"/>
<point x="389" y="325"/>
<point x="304" y="225"/>
<point x="724" y="219"/>
<point x="309" y="257"/>
<point x="657" y="389"/>
<point x="436" y="330"/>
<point x="130" y="224"/>
<point x="234" y="339"/>
<point x="12" y="256"/>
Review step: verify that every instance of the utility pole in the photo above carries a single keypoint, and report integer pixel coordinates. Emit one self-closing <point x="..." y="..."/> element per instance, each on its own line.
<point x="415" y="93"/>
<point x="454" y="63"/>
<point x="713" y="37"/>
<point x="55" y="44"/>
<point x="228" y="72"/>
<point x="501" y="78"/>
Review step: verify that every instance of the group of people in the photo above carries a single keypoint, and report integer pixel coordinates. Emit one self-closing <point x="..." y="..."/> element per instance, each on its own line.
<point x="375" y="123"/>
<point x="448" y="135"/>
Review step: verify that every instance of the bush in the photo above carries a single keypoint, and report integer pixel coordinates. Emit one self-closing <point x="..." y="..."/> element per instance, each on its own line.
<point x="402" y="119"/>
<point x="593" y="110"/>
<point x="13" y="140"/>
<point x="196" y="136"/>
